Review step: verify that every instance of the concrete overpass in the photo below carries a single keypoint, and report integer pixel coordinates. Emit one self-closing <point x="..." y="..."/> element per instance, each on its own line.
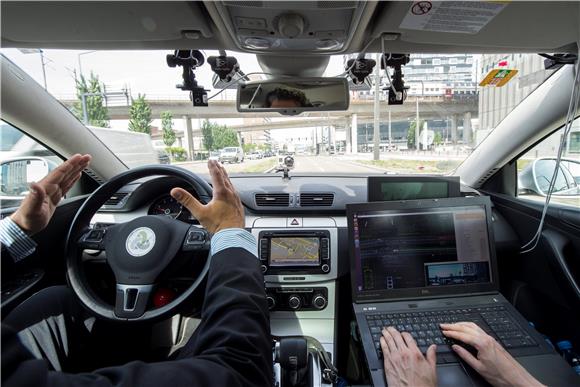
<point x="428" y="106"/>
<point x="359" y="111"/>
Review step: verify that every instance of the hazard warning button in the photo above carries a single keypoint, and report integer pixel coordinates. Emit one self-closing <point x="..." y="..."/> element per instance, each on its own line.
<point x="293" y="222"/>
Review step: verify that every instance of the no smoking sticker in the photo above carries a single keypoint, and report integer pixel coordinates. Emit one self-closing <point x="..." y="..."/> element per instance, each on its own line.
<point x="462" y="17"/>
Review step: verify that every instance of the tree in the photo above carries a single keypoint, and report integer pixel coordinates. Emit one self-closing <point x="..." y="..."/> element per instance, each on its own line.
<point x="411" y="143"/>
<point x="224" y="137"/>
<point x="438" y="139"/>
<point x="140" y="115"/>
<point x="207" y="134"/>
<point x="167" y="126"/>
<point x="96" y="112"/>
<point x="249" y="147"/>
<point x="215" y="136"/>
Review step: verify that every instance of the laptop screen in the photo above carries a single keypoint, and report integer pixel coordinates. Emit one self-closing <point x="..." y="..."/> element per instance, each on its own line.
<point x="423" y="250"/>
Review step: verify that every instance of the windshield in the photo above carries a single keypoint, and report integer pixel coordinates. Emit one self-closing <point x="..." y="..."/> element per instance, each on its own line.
<point x="129" y="98"/>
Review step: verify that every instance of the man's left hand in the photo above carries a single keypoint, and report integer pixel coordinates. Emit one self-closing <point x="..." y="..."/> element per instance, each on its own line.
<point x="404" y="363"/>
<point x="39" y="205"/>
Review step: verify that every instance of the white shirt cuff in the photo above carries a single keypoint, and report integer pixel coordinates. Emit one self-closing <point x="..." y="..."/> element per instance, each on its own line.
<point x="234" y="237"/>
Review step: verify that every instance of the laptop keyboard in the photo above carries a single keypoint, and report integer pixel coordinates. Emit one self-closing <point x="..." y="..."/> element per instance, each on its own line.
<point x="424" y="327"/>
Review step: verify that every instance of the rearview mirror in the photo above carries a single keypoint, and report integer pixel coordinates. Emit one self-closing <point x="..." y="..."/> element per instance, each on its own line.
<point x="16" y="175"/>
<point x="293" y="95"/>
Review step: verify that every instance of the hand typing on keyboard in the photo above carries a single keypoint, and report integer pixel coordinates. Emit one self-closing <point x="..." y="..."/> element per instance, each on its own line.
<point x="404" y="363"/>
<point x="491" y="360"/>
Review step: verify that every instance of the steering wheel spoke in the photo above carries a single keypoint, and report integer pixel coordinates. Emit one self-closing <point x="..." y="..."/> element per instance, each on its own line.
<point x="197" y="239"/>
<point x="131" y="301"/>
<point x="93" y="239"/>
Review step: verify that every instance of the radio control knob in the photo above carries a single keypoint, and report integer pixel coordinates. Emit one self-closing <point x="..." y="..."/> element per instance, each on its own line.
<point x="294" y="302"/>
<point x="325" y="268"/>
<point x="264" y="268"/>
<point x="271" y="302"/>
<point x="319" y="301"/>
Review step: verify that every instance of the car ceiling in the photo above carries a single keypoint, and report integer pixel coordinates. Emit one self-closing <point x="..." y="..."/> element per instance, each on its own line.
<point x="524" y="26"/>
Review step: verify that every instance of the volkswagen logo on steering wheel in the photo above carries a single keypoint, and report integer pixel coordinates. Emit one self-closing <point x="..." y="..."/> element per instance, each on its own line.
<point x="140" y="241"/>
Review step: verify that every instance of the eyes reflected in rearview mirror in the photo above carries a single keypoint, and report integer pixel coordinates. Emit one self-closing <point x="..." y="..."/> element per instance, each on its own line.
<point x="294" y="96"/>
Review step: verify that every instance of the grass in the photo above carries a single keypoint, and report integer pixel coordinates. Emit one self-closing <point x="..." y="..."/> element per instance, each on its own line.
<point x="260" y="167"/>
<point x="414" y="166"/>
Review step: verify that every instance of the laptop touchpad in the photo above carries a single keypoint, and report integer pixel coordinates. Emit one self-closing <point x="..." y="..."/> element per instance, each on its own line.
<point x="452" y="375"/>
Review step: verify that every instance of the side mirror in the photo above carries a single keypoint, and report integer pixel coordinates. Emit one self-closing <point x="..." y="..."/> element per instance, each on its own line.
<point x="16" y="174"/>
<point x="536" y="177"/>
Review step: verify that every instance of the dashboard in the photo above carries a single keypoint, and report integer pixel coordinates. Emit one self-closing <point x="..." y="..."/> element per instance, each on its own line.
<point x="301" y="228"/>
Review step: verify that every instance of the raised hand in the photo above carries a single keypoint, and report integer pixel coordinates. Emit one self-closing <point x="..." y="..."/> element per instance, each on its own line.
<point x="39" y="205"/>
<point x="225" y="210"/>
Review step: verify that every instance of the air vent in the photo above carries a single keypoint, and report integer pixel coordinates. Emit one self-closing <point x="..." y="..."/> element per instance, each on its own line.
<point x="116" y="199"/>
<point x="253" y="4"/>
<point x="316" y="199"/>
<point x="94" y="176"/>
<point x="272" y="200"/>
<point x="336" y="4"/>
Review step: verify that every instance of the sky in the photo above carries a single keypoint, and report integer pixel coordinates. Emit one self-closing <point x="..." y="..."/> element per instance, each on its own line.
<point x="143" y="72"/>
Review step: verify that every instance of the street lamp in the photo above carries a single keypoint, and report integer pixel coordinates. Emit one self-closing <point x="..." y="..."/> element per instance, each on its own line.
<point x="79" y="58"/>
<point x="417" y="122"/>
<point x="42" y="62"/>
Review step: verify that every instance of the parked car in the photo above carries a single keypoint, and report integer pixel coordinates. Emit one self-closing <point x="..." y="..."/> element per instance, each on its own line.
<point x="163" y="157"/>
<point x="232" y="154"/>
<point x="214" y="155"/>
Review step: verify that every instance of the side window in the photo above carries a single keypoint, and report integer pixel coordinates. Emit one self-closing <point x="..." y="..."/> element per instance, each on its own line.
<point x="536" y="169"/>
<point x="22" y="160"/>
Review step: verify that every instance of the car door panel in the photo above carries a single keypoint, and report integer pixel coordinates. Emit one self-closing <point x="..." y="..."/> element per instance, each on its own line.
<point x="46" y="266"/>
<point x="543" y="283"/>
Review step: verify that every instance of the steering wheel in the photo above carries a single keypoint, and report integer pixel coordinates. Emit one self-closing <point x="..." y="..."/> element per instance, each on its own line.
<point x="137" y="251"/>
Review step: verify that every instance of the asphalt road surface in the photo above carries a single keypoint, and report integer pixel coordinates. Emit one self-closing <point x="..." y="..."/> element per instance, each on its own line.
<point x="310" y="164"/>
<point x="328" y="164"/>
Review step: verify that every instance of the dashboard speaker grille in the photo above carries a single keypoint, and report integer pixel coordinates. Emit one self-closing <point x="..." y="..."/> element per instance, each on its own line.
<point x="272" y="200"/>
<point x="316" y="199"/>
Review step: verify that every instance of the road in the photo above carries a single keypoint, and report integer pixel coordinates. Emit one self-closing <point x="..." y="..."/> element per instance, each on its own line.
<point x="310" y="164"/>
<point x="255" y="166"/>
<point x="328" y="164"/>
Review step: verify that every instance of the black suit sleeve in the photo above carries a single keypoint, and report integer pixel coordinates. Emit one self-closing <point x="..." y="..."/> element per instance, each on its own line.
<point x="232" y="346"/>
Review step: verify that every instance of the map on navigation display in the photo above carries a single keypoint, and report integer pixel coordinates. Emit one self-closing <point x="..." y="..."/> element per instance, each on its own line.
<point x="294" y="251"/>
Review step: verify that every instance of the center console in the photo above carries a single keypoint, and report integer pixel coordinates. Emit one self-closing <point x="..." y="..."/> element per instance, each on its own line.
<point x="299" y="262"/>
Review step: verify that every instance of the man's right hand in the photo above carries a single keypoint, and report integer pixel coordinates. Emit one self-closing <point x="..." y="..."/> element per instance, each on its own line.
<point x="493" y="362"/>
<point x="225" y="210"/>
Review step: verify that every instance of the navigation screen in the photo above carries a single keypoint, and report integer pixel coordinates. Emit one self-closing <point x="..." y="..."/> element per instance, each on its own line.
<point x="294" y="251"/>
<point x="421" y="248"/>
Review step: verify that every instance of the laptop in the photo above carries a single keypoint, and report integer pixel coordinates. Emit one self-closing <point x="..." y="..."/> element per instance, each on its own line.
<point x="418" y="263"/>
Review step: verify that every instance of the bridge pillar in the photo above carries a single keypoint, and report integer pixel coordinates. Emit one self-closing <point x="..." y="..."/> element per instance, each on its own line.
<point x="189" y="137"/>
<point x="467" y="132"/>
<point x="454" y="129"/>
<point x="354" y="133"/>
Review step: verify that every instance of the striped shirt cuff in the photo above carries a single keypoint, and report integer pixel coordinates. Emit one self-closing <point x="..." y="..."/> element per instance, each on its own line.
<point x="18" y="244"/>
<point x="234" y="237"/>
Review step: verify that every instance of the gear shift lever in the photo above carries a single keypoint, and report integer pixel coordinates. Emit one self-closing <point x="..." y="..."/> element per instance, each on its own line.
<point x="292" y="354"/>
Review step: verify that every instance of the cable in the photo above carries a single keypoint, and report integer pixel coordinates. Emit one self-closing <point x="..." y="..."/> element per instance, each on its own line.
<point x="572" y="109"/>
<point x="386" y="68"/>
<point x="235" y="81"/>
